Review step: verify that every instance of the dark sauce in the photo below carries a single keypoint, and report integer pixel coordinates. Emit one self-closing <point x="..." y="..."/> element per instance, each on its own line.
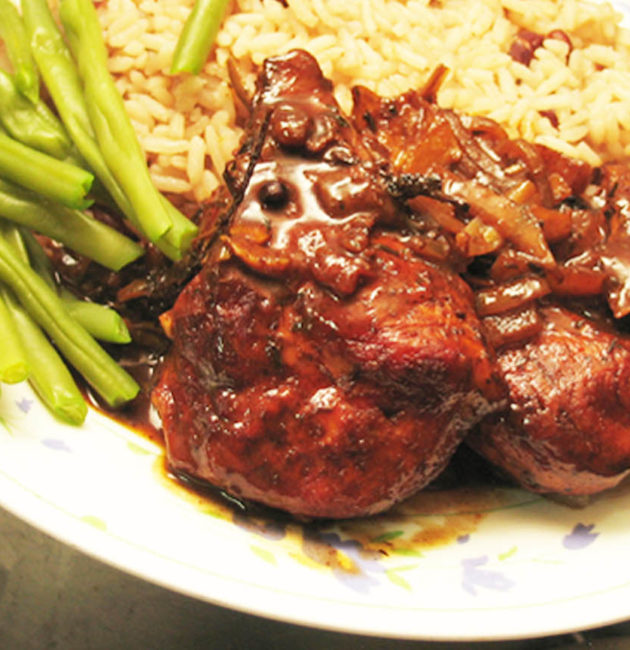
<point x="138" y="415"/>
<point x="450" y="509"/>
<point x="447" y="512"/>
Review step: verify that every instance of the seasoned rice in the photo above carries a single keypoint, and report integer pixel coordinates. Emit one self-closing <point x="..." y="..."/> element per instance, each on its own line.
<point x="187" y="127"/>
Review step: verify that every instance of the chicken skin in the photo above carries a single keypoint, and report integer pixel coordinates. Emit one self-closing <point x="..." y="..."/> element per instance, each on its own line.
<point x="567" y="430"/>
<point x="566" y="425"/>
<point x="319" y="364"/>
<point x="387" y="285"/>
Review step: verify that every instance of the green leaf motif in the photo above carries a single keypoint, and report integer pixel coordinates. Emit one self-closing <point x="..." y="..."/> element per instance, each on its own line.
<point x="407" y="552"/>
<point x="386" y="537"/>
<point x="264" y="554"/>
<point x="396" y="579"/>
<point x="5" y="425"/>
<point x="508" y="554"/>
<point x="97" y="522"/>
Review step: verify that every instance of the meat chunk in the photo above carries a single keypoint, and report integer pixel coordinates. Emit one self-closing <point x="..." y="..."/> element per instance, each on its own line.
<point x="320" y="405"/>
<point x="568" y="426"/>
<point x="328" y="358"/>
<point x="319" y="363"/>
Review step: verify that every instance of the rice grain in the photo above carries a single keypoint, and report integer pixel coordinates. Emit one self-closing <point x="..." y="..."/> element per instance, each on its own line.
<point x="187" y="125"/>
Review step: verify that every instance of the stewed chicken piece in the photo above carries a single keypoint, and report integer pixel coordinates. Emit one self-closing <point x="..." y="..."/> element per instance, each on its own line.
<point x="320" y="362"/>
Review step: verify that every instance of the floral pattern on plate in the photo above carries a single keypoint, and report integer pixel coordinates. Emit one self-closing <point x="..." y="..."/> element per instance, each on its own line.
<point x="461" y="564"/>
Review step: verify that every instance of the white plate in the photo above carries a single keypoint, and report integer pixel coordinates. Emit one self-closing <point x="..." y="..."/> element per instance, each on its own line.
<point x="478" y="565"/>
<point x="482" y="564"/>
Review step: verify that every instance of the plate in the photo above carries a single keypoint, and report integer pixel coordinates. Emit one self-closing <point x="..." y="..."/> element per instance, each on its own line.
<point x="478" y="563"/>
<point x="470" y="564"/>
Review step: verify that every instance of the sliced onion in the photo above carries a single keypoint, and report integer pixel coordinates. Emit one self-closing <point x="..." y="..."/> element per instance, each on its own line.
<point x="515" y="223"/>
<point x="556" y="224"/>
<point x="512" y="327"/>
<point x="576" y="281"/>
<point x="435" y="249"/>
<point x="511" y="295"/>
<point x="442" y="212"/>
<point x="510" y="264"/>
<point x="477" y="238"/>
<point x="434" y="82"/>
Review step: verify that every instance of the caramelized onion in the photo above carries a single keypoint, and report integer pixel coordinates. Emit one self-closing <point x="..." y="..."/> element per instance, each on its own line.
<point x="512" y="327"/>
<point x="487" y="164"/>
<point x="434" y="248"/>
<point x="434" y="82"/>
<point x="556" y="224"/>
<point x="238" y="86"/>
<point x="510" y="264"/>
<point x="523" y="192"/>
<point x="514" y="222"/>
<point x="262" y="258"/>
<point x="442" y="212"/>
<point x="511" y="295"/>
<point x="530" y="154"/>
<point x="477" y="238"/>
<point x="576" y="281"/>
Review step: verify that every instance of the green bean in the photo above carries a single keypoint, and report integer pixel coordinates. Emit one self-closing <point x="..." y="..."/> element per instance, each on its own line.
<point x="15" y="237"/>
<point x="48" y="374"/>
<point x="13" y="364"/>
<point x="44" y="174"/>
<point x="14" y="36"/>
<point x="33" y="124"/>
<point x="198" y="36"/>
<point x="100" y="321"/>
<point x="33" y="253"/>
<point x="107" y="378"/>
<point x="75" y="229"/>
<point x="64" y="86"/>
<point x="182" y="232"/>
<point x="114" y="132"/>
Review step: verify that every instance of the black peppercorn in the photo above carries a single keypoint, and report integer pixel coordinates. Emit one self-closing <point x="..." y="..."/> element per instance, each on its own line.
<point x="273" y="195"/>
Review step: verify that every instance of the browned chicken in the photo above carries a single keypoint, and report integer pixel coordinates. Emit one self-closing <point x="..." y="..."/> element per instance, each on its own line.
<point x="379" y="285"/>
<point x="567" y="429"/>
<point x="552" y="232"/>
<point x="320" y="363"/>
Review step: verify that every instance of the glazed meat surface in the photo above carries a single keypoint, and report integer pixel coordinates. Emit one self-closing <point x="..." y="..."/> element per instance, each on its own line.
<point x="319" y="364"/>
<point x="388" y="284"/>
<point x="568" y="427"/>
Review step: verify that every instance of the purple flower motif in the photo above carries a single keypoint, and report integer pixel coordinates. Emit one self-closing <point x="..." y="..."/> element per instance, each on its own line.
<point x="269" y="529"/>
<point x="363" y="580"/>
<point x="462" y="539"/>
<point x="580" y="537"/>
<point x="474" y="576"/>
<point x="56" y="444"/>
<point x="24" y="404"/>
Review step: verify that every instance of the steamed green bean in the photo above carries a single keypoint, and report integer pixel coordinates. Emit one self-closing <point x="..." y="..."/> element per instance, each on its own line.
<point x="13" y="364"/>
<point x="32" y="123"/>
<point x="115" y="134"/>
<point x="44" y="174"/>
<point x="48" y="374"/>
<point x="102" y="322"/>
<point x="13" y="34"/>
<point x="74" y="228"/>
<point x="198" y="36"/>
<point x="64" y="86"/>
<point x="108" y="379"/>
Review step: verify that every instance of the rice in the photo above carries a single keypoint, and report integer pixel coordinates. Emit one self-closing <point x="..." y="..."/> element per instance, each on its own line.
<point x="187" y="125"/>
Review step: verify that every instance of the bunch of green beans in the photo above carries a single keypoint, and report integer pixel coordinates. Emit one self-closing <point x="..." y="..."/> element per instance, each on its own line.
<point x="54" y="162"/>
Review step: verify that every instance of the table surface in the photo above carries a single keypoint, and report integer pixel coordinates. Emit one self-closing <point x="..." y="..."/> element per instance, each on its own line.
<point x="52" y="596"/>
